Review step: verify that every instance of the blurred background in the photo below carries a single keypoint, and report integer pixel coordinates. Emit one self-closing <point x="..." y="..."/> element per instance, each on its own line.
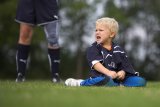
<point x="139" y="34"/>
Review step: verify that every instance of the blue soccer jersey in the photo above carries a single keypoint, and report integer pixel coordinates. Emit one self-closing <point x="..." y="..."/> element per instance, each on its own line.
<point x="114" y="59"/>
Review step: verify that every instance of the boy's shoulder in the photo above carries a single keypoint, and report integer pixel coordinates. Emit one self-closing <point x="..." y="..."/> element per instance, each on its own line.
<point x="94" y="47"/>
<point x="94" y="44"/>
<point x="118" y="50"/>
<point x="117" y="47"/>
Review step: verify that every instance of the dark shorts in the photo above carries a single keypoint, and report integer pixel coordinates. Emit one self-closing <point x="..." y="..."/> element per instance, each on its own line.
<point x="37" y="12"/>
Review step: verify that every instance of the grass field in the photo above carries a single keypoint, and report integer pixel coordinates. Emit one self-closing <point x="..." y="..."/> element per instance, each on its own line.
<point x="46" y="94"/>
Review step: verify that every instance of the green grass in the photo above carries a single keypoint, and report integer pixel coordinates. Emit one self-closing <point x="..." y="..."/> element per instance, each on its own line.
<point x="46" y="94"/>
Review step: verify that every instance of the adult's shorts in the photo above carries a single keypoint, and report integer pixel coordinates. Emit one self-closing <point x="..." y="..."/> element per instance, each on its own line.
<point x="37" y="12"/>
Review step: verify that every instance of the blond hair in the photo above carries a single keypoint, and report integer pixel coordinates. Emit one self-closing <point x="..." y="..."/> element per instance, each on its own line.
<point x="111" y="23"/>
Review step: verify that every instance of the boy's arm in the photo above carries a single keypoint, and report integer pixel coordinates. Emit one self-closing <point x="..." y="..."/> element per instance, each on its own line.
<point x="125" y="63"/>
<point x="100" y="68"/>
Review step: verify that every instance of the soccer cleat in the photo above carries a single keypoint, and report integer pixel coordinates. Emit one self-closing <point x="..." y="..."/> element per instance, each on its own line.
<point x="73" y="82"/>
<point x="20" y="78"/>
<point x="56" y="78"/>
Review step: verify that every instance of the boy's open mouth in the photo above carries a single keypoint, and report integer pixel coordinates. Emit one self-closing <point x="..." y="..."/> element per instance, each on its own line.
<point x="98" y="37"/>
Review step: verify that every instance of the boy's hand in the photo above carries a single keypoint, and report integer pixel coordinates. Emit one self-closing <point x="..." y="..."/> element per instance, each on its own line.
<point x="100" y="68"/>
<point x="112" y="74"/>
<point x="121" y="75"/>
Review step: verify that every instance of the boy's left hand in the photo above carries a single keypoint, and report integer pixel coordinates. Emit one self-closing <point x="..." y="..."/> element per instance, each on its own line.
<point x="121" y="75"/>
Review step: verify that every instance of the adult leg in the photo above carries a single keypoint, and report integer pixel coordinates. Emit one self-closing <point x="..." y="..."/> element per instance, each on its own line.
<point x="134" y="81"/>
<point x="25" y="36"/>
<point x="52" y="35"/>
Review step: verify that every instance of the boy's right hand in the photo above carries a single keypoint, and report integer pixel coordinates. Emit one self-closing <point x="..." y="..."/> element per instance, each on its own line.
<point x="100" y="68"/>
<point x="112" y="74"/>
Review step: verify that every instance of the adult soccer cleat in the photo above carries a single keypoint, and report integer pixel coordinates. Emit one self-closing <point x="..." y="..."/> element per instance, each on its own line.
<point x="20" y="78"/>
<point x="73" y="82"/>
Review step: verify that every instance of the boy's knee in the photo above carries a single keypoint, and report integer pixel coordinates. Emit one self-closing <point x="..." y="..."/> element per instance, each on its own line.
<point x="141" y="82"/>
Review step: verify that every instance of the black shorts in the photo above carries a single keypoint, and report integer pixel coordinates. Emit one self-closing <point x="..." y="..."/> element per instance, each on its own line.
<point x="37" y="12"/>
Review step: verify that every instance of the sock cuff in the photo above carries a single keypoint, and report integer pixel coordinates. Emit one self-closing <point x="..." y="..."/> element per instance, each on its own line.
<point x="53" y="50"/>
<point x="54" y="53"/>
<point x="25" y="48"/>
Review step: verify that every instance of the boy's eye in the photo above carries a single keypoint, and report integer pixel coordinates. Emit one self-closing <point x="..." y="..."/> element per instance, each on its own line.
<point x="98" y="30"/>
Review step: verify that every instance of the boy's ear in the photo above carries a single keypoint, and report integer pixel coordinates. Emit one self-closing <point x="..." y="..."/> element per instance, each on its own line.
<point x="112" y="34"/>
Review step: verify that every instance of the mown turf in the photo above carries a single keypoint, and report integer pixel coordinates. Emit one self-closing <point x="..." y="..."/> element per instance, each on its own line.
<point x="46" y="94"/>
